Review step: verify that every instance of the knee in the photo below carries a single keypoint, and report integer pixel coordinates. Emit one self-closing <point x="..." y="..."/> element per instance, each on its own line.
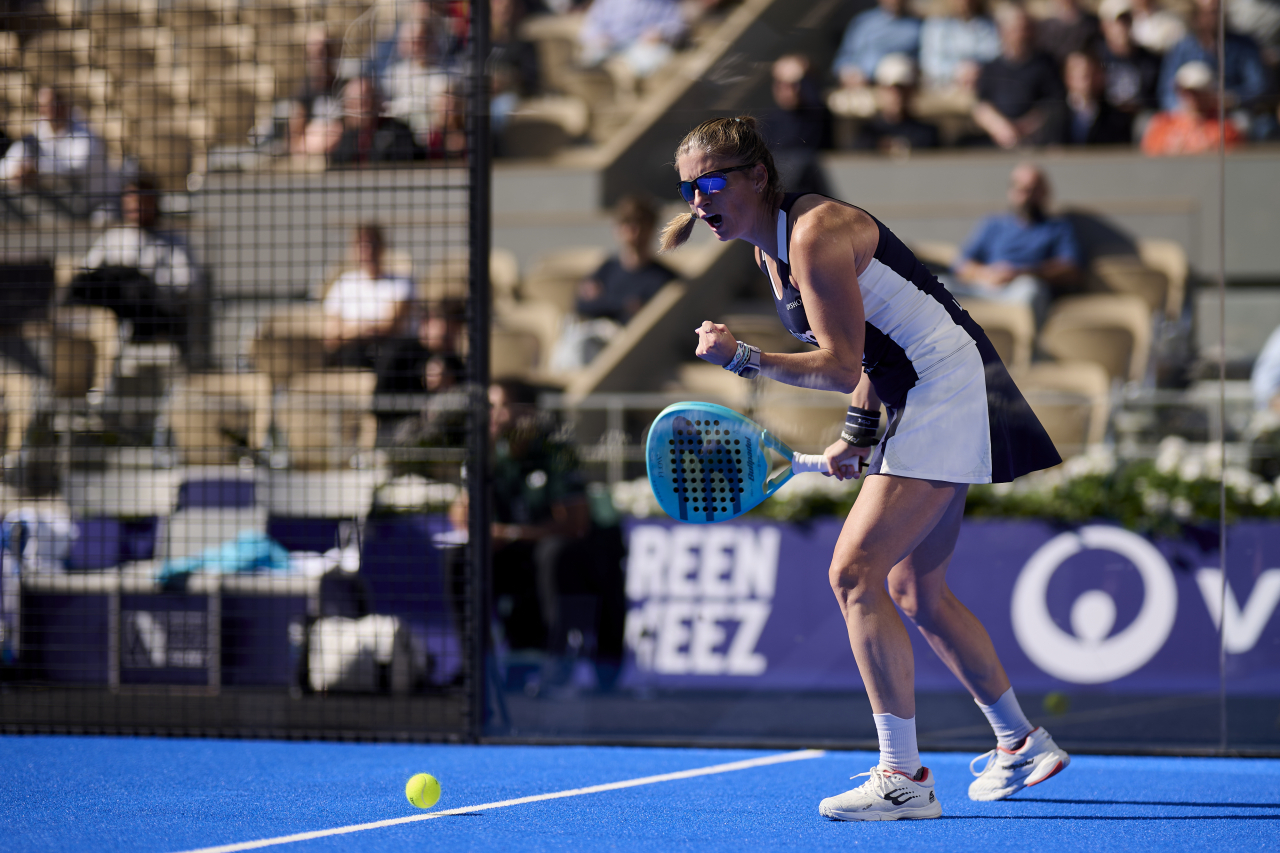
<point x="918" y="605"/>
<point x="853" y="581"/>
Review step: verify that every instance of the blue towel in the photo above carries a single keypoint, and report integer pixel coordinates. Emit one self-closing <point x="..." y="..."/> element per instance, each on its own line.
<point x="250" y="551"/>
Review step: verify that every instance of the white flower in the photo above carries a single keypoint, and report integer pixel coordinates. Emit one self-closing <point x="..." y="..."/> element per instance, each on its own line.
<point x="1262" y="494"/>
<point x="1239" y="479"/>
<point x="1191" y="468"/>
<point x="1155" y="501"/>
<point x="1170" y="454"/>
<point x="1181" y="508"/>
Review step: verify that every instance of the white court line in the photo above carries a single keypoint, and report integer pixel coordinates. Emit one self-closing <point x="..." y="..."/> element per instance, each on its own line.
<point x="765" y="761"/>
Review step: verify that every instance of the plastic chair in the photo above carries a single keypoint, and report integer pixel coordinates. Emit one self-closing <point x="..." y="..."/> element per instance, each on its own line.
<point x="1113" y="330"/>
<point x="1010" y="327"/>
<point x="1071" y="399"/>
<point x="216" y="418"/>
<point x="327" y="418"/>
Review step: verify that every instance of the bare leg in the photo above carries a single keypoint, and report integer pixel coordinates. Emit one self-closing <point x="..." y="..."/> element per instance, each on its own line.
<point x="918" y="585"/>
<point x="892" y="517"/>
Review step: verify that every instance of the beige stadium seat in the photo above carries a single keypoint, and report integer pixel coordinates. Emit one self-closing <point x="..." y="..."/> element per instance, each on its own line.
<point x="51" y="57"/>
<point x="936" y="253"/>
<point x="198" y="14"/>
<point x="1113" y="330"/>
<point x="17" y="94"/>
<point x="131" y="51"/>
<point x="289" y="341"/>
<point x="555" y="275"/>
<point x="327" y="419"/>
<point x="705" y="382"/>
<point x="1071" y="399"/>
<point x="1128" y="274"/>
<point x="217" y="418"/>
<point x="107" y="15"/>
<point x="764" y="331"/>
<point x="166" y="152"/>
<point x="540" y="127"/>
<point x="1010" y="327"/>
<point x="542" y="319"/>
<point x="16" y="406"/>
<point x="216" y="48"/>
<point x="513" y="353"/>
<point x="448" y="277"/>
<point x="809" y="421"/>
<point x="1170" y="258"/>
<point x="83" y="342"/>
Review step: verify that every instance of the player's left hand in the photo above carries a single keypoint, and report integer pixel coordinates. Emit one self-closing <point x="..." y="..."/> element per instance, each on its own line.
<point x="716" y="343"/>
<point x="844" y="461"/>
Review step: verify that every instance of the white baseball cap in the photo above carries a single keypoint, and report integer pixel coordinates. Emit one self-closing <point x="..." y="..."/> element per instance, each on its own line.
<point x="896" y="69"/>
<point x="1194" y="75"/>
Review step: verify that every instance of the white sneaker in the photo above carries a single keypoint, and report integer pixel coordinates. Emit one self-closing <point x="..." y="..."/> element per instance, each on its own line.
<point x="887" y="795"/>
<point x="1007" y="772"/>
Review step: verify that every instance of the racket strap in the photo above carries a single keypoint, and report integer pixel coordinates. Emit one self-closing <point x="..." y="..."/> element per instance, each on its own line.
<point x="860" y="427"/>
<point x="745" y="362"/>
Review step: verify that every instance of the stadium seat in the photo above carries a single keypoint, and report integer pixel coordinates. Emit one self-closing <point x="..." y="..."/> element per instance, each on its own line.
<point x="1170" y="258"/>
<point x="289" y="341"/>
<point x="1010" y="327"/>
<point x="542" y="319"/>
<point x="326" y="418"/>
<point x="16" y="407"/>
<point x="805" y="419"/>
<point x="555" y="275"/>
<point x="539" y="127"/>
<point x="514" y="353"/>
<point x="701" y="380"/>
<point x="1071" y="399"/>
<point x="219" y="418"/>
<point x="1128" y="274"/>
<point x="84" y="344"/>
<point x="1113" y="330"/>
<point x="51" y="56"/>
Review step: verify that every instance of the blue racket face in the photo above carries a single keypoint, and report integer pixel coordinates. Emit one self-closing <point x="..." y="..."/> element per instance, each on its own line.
<point x="706" y="463"/>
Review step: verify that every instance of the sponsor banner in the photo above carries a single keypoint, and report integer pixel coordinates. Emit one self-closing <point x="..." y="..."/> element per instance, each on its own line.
<point x="747" y="605"/>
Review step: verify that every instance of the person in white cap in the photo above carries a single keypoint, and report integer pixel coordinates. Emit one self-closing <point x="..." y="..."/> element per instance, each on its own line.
<point x="1154" y="27"/>
<point x="893" y="129"/>
<point x="1192" y="128"/>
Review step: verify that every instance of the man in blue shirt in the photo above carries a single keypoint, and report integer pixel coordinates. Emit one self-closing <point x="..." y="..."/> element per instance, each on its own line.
<point x="1244" y="74"/>
<point x="873" y="35"/>
<point x="1023" y="255"/>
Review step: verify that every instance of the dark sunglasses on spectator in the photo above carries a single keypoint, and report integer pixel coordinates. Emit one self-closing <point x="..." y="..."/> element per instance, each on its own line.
<point x="711" y="182"/>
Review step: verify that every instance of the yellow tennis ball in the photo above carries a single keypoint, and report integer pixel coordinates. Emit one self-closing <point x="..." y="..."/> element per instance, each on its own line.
<point x="422" y="790"/>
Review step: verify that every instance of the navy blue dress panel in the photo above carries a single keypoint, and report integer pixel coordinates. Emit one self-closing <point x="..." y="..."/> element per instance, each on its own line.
<point x="1019" y="443"/>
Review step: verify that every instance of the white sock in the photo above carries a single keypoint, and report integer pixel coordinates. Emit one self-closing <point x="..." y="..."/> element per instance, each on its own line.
<point x="898" y="750"/>
<point x="1008" y="721"/>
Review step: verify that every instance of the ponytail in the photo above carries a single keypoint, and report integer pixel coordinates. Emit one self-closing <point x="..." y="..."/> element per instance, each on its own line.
<point x="676" y="232"/>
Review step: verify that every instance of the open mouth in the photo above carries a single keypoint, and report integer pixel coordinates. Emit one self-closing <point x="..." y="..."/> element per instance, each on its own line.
<point x="713" y="220"/>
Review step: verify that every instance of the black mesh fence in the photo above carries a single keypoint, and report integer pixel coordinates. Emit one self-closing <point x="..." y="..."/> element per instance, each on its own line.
<point x="238" y="246"/>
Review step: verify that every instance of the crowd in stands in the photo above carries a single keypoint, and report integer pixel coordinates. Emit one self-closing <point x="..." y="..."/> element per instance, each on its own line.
<point x="1132" y="73"/>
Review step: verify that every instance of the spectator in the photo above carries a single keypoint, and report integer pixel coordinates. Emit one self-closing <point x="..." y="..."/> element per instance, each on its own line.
<point x="513" y="62"/>
<point x="870" y="37"/>
<point x="144" y="273"/>
<point x="367" y="136"/>
<point x="1130" y="69"/>
<point x="1019" y="93"/>
<point x="893" y="130"/>
<point x="64" y="162"/>
<point x="1264" y="380"/>
<point x="1260" y="21"/>
<point x="615" y="292"/>
<point x="415" y="83"/>
<point x="1021" y="256"/>
<point x="1192" y="128"/>
<point x="1068" y="29"/>
<point x="640" y="33"/>
<point x="315" y="109"/>
<point x="1244" y="76"/>
<point x="369" y="317"/>
<point x="954" y="48"/>
<point x="1155" y="28"/>
<point x="546" y="548"/>
<point x="798" y="126"/>
<point x="1091" y="120"/>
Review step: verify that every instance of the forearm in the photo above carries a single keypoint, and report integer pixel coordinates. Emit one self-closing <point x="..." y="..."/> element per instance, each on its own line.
<point x="864" y="396"/>
<point x="820" y="369"/>
<point x="1058" y="273"/>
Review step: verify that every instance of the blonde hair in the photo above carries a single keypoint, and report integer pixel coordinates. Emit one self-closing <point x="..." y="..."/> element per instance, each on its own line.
<point x="736" y="139"/>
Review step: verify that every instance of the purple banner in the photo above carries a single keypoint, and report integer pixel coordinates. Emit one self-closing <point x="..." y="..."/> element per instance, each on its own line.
<point x="748" y="606"/>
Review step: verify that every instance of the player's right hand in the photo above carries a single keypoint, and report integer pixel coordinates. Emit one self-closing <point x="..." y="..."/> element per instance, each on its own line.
<point x="844" y="461"/>
<point x="716" y="343"/>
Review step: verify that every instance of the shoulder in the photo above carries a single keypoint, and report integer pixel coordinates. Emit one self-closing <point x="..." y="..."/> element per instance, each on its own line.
<point x="824" y="229"/>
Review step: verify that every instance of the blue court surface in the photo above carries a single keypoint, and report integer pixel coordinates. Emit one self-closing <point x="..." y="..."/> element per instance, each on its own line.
<point x="143" y="794"/>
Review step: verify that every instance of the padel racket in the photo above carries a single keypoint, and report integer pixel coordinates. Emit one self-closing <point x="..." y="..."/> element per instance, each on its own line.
<point x="708" y="463"/>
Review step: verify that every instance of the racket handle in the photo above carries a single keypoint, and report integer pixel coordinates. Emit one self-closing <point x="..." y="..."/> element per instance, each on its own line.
<point x="803" y="463"/>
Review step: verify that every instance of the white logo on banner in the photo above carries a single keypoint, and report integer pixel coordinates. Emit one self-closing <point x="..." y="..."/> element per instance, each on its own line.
<point x="1091" y="655"/>
<point x="705" y="594"/>
<point x="1244" y="627"/>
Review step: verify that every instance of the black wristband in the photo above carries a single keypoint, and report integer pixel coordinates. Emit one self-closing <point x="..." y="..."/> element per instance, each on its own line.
<point x="867" y="439"/>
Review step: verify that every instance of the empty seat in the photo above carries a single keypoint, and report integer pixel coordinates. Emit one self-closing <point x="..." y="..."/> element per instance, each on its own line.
<point x="555" y="275"/>
<point x="1170" y="258"/>
<point x="1113" y="330"/>
<point x="220" y="418"/>
<point x="808" y="420"/>
<point x="542" y="319"/>
<point x="703" y="381"/>
<point x="1071" y="399"/>
<point x="84" y="343"/>
<point x="167" y="152"/>
<point x="52" y="55"/>
<point x="1128" y="274"/>
<point x="1011" y="328"/>
<point x="127" y="52"/>
<point x="289" y="341"/>
<point x="16" y="407"/>
<point x="513" y="353"/>
<point x="326" y="418"/>
<point x="764" y="331"/>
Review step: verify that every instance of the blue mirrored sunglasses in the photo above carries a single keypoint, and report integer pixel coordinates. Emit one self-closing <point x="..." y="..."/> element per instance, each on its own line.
<point x="711" y="182"/>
